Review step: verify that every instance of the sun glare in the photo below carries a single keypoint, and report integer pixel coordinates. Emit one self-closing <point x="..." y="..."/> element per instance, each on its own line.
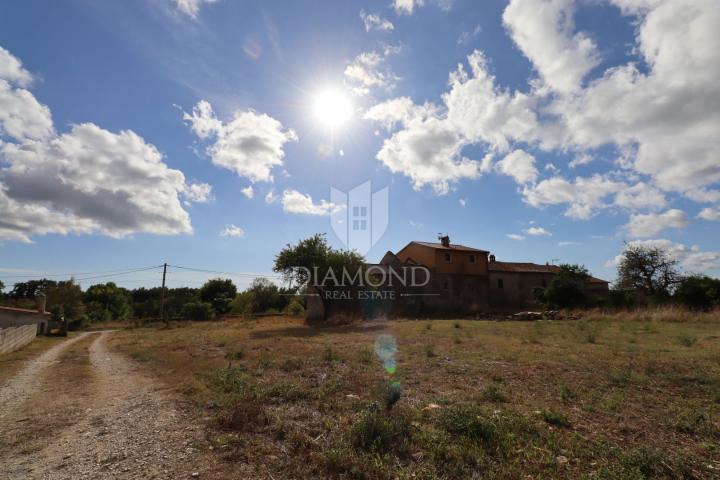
<point x="332" y="109"/>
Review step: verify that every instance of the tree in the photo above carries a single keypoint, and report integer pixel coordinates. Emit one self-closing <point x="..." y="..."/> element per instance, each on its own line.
<point x="219" y="292"/>
<point x="698" y="292"/>
<point x="315" y="256"/>
<point x="567" y="289"/>
<point x="107" y="302"/>
<point x="2" y="287"/>
<point x="198" y="311"/>
<point x="68" y="296"/>
<point x="649" y="269"/>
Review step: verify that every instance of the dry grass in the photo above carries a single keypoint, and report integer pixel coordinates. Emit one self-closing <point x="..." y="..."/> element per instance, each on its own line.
<point x="616" y="399"/>
<point x="13" y="362"/>
<point x="53" y="408"/>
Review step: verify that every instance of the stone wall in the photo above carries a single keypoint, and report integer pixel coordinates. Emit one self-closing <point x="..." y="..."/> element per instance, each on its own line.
<point x="14" y="338"/>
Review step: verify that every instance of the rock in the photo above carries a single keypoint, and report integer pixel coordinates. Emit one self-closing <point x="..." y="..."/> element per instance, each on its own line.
<point x="561" y="459"/>
<point x="195" y="474"/>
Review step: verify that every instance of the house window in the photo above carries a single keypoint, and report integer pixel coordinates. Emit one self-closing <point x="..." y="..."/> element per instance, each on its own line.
<point x="472" y="258"/>
<point x="359" y="221"/>
<point x="448" y="257"/>
<point x="500" y="283"/>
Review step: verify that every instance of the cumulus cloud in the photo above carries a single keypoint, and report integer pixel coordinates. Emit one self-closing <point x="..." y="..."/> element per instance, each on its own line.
<point x="406" y="6"/>
<point x="12" y="70"/>
<point x="198" y="192"/>
<point x="368" y="71"/>
<point x="251" y="144"/>
<point x="87" y="180"/>
<point x="191" y="8"/>
<point x="515" y="236"/>
<point x="649" y="225"/>
<point x="248" y="191"/>
<point x="537" y="232"/>
<point x="232" y="231"/>
<point x="710" y="214"/>
<point x="302" y="204"/>
<point x="520" y="165"/>
<point x="544" y="31"/>
<point x="584" y="196"/>
<point x="375" y="22"/>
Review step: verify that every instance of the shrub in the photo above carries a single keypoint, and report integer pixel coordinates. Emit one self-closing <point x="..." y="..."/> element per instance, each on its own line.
<point x="376" y="431"/>
<point x="296" y="309"/>
<point x="430" y="351"/>
<point x="493" y="394"/>
<point x="329" y="355"/>
<point x="553" y="417"/>
<point x="198" y="311"/>
<point x="687" y="340"/>
<point x="365" y="355"/>
<point x="235" y="355"/>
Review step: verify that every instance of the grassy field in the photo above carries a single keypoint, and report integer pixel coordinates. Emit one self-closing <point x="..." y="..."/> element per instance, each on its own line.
<point x="620" y="397"/>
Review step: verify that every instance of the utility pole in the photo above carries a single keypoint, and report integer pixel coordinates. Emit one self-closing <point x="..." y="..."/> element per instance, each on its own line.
<point x="162" y="296"/>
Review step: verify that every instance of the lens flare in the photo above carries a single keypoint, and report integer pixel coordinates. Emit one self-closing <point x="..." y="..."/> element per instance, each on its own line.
<point x="386" y="349"/>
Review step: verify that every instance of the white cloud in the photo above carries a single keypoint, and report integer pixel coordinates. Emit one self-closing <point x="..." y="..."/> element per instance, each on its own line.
<point x="376" y="22"/>
<point x="12" y="70"/>
<point x="232" y="231"/>
<point x="515" y="236"/>
<point x="462" y="202"/>
<point x="640" y="196"/>
<point x="22" y="116"/>
<point x="584" y="196"/>
<point x="406" y="7"/>
<point x="367" y="71"/>
<point x="466" y="36"/>
<point x="198" y="192"/>
<point x="248" y="191"/>
<point x="270" y="197"/>
<point x="568" y="244"/>
<point x="710" y="214"/>
<point x="191" y="8"/>
<point x="399" y="110"/>
<point x="88" y="180"/>
<point x="581" y="159"/>
<point x="544" y="31"/>
<point x="520" y="165"/>
<point x="416" y="225"/>
<point x="302" y="204"/>
<point x="648" y="225"/>
<point x="250" y="144"/>
<point x="537" y="232"/>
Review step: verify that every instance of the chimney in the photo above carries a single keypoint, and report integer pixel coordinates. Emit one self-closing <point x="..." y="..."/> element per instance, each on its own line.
<point x="492" y="258"/>
<point x="445" y="241"/>
<point x="40" y="300"/>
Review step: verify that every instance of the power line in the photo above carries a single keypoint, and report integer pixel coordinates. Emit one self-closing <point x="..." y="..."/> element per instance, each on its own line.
<point x="237" y="274"/>
<point x="74" y="274"/>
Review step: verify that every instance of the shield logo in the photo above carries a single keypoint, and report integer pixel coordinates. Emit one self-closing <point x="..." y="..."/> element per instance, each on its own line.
<point x="361" y="217"/>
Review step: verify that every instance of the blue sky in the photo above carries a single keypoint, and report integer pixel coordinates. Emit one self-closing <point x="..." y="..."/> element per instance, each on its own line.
<point x="131" y="133"/>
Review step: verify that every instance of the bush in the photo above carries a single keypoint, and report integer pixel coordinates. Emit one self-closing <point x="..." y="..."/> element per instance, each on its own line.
<point x="698" y="292"/>
<point x="494" y="433"/>
<point x="552" y="417"/>
<point x="296" y="309"/>
<point x="375" y="431"/>
<point x="198" y="311"/>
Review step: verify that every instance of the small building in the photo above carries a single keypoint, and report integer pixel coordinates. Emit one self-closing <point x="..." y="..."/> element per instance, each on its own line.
<point x="20" y="326"/>
<point x="467" y="280"/>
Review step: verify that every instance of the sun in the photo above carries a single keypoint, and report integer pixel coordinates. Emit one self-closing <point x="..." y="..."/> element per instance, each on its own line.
<point x="332" y="109"/>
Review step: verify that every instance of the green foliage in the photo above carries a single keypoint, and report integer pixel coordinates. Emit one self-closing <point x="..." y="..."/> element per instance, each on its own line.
<point x="376" y="431"/>
<point x="567" y="288"/>
<point x="686" y="339"/>
<point x="68" y="296"/>
<point x="107" y="302"/>
<point x="493" y="394"/>
<point x="218" y="292"/>
<point x="495" y="433"/>
<point x="698" y="292"/>
<point x="554" y="417"/>
<point x="198" y="311"/>
<point x="296" y="308"/>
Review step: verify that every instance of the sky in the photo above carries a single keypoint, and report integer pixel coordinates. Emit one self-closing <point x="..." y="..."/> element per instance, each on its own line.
<point x="208" y="134"/>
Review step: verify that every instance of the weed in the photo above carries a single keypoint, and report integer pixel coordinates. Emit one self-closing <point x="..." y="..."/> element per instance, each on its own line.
<point x="428" y="326"/>
<point x="430" y="351"/>
<point x="457" y="340"/>
<point x="566" y="393"/>
<point x="686" y="339"/>
<point x="365" y="355"/>
<point x="457" y="325"/>
<point x="286" y="391"/>
<point x="553" y="417"/>
<point x="235" y="355"/>
<point x="233" y="379"/>
<point x="292" y="365"/>
<point x="691" y="419"/>
<point x="376" y="431"/>
<point x="246" y="413"/>
<point x="493" y="394"/>
<point x="329" y="355"/>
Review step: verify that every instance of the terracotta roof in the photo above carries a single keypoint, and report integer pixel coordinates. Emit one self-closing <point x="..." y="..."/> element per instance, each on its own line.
<point x="22" y="310"/>
<point x="452" y="246"/>
<point x="522" y="267"/>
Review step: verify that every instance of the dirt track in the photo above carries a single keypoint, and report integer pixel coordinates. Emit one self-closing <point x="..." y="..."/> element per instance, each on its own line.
<point x="128" y="427"/>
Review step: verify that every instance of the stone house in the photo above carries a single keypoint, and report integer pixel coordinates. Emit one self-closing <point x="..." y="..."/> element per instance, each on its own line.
<point x="20" y="326"/>
<point x="466" y="280"/>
